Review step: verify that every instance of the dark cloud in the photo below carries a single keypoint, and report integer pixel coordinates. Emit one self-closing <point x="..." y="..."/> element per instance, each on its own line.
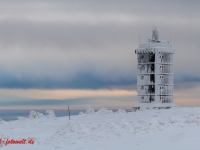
<point x="80" y="81"/>
<point x="72" y="102"/>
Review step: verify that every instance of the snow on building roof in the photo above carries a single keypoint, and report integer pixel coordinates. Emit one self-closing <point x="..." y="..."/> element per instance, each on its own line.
<point x="155" y="47"/>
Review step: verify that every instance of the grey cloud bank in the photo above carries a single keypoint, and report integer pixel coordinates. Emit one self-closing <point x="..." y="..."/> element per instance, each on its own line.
<point x="90" y="44"/>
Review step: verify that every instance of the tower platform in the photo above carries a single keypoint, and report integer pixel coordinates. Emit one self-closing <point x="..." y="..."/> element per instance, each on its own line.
<point x="143" y="106"/>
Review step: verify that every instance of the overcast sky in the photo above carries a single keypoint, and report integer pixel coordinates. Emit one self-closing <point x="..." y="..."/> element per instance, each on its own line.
<point x="89" y="45"/>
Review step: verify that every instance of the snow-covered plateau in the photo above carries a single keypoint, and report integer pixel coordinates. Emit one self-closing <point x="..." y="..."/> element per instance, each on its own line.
<point x="162" y="129"/>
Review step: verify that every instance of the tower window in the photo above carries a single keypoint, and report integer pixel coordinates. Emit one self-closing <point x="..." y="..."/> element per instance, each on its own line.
<point x="142" y="87"/>
<point x="142" y="77"/>
<point x="142" y="97"/>
<point x="142" y="67"/>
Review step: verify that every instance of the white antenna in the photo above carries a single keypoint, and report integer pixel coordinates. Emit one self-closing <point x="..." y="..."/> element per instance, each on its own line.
<point x="155" y="34"/>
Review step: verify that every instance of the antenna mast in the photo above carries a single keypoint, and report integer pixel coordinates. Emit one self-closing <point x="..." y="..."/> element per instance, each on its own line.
<point x="155" y="35"/>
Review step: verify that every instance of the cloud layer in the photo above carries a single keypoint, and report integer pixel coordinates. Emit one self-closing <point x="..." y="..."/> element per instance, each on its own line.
<point x="71" y="44"/>
<point x="51" y="46"/>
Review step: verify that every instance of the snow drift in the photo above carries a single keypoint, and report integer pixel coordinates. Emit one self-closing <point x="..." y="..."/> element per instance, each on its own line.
<point x="38" y="115"/>
<point x="104" y="129"/>
<point x="103" y="111"/>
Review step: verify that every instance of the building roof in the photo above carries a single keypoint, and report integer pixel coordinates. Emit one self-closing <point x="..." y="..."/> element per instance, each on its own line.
<point x="155" y="47"/>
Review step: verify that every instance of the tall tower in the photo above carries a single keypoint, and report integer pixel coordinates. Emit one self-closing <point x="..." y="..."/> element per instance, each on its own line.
<point x="155" y="74"/>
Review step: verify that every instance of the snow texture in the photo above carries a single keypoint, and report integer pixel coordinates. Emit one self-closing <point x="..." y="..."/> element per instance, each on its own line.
<point x="35" y="115"/>
<point x="50" y="114"/>
<point x="121" y="111"/>
<point x="81" y="113"/>
<point x="2" y="121"/>
<point x="103" y="111"/>
<point x="150" y="129"/>
<point x="89" y="110"/>
<point x="22" y="118"/>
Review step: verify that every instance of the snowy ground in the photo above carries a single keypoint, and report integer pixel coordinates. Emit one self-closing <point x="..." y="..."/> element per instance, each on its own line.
<point x="151" y="129"/>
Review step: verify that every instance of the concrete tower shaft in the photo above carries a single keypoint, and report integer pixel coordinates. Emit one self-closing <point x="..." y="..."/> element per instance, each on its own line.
<point x="155" y="73"/>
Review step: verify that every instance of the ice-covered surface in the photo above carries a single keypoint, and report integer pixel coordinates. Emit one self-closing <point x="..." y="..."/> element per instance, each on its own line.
<point x="164" y="129"/>
<point x="50" y="114"/>
<point x="89" y="110"/>
<point x="2" y="121"/>
<point x="102" y="111"/>
<point x="22" y="118"/>
<point x="37" y="115"/>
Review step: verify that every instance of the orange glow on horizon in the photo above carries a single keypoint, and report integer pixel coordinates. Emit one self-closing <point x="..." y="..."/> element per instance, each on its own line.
<point x="66" y="94"/>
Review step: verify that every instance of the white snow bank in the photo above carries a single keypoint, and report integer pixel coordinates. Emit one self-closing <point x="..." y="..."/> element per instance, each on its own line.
<point x="76" y="130"/>
<point x="22" y="118"/>
<point x="38" y="115"/>
<point x="103" y="111"/>
<point x="120" y="111"/>
<point x="50" y="114"/>
<point x="89" y="110"/>
<point x="2" y="121"/>
<point x="81" y="113"/>
<point x="141" y="130"/>
<point x="192" y="118"/>
<point x="35" y="115"/>
<point x="131" y="125"/>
